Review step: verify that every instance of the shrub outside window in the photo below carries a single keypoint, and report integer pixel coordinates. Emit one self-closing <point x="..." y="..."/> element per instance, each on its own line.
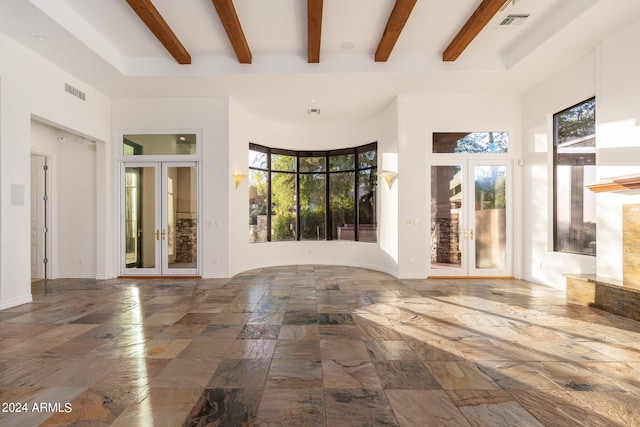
<point x="312" y="195"/>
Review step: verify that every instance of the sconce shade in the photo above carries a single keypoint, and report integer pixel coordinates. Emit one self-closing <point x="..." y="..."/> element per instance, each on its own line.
<point x="238" y="178"/>
<point x="389" y="176"/>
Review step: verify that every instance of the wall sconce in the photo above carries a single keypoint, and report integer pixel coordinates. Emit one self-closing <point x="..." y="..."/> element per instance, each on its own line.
<point x="238" y="178"/>
<point x="389" y="176"/>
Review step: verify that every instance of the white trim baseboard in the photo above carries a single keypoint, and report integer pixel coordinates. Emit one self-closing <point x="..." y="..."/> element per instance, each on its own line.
<point x="15" y="302"/>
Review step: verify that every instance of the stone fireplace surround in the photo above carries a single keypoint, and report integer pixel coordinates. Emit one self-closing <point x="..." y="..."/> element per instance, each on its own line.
<point x="617" y="297"/>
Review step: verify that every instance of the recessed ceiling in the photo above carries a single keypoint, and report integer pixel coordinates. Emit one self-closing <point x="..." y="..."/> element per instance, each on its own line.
<point x="106" y="45"/>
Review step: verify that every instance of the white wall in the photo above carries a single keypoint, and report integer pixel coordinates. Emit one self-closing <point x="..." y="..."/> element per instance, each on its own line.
<point x="210" y="117"/>
<point x="420" y="116"/>
<point x="31" y="86"/>
<point x="245" y="128"/>
<point x="617" y="139"/>
<point x="569" y="87"/>
<point x="609" y="73"/>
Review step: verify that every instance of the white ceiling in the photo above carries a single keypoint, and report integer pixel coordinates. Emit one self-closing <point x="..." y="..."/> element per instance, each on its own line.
<point x="106" y="45"/>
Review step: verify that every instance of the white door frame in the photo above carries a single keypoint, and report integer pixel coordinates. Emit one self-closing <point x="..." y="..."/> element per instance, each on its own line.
<point x="467" y="232"/>
<point x="161" y="233"/>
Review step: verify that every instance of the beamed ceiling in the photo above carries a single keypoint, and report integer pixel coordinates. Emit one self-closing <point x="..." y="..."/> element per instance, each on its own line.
<point x="275" y="56"/>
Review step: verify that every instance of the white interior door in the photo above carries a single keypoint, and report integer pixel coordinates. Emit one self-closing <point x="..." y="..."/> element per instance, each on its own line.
<point x="470" y="218"/>
<point x="38" y="225"/>
<point x="160" y="218"/>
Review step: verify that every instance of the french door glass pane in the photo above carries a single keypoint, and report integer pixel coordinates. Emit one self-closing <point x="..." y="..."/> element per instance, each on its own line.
<point x="490" y="217"/>
<point x="182" y="216"/>
<point x="446" y="216"/>
<point x="140" y="217"/>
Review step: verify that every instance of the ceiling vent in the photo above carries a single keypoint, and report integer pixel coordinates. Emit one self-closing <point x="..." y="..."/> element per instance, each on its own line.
<point x="74" y="91"/>
<point x="513" y="20"/>
<point x="315" y="111"/>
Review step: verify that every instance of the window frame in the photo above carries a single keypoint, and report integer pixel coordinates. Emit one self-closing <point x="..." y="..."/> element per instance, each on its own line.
<point x="327" y="173"/>
<point x="556" y="143"/>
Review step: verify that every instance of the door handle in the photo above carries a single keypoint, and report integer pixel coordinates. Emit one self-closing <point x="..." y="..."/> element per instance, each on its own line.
<point x="466" y="234"/>
<point x="157" y="234"/>
<point x="471" y="234"/>
<point x="164" y="234"/>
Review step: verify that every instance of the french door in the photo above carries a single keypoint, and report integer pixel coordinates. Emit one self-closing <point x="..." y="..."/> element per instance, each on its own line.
<point x="471" y="210"/>
<point x="159" y="218"/>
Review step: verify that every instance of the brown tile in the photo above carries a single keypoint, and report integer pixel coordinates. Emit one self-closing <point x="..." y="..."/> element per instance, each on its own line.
<point x="240" y="373"/>
<point x="405" y="375"/>
<point x="343" y="349"/>
<point x="425" y="408"/>
<point x="297" y="349"/>
<point x="302" y="407"/>
<point x="351" y="374"/>
<point x="251" y="349"/>
<point x="317" y="345"/>
<point x="358" y="408"/>
<point x="295" y="373"/>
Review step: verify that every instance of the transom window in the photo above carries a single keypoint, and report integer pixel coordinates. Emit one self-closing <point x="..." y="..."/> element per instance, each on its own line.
<point x="471" y="142"/>
<point x="312" y="195"/>
<point x="159" y="144"/>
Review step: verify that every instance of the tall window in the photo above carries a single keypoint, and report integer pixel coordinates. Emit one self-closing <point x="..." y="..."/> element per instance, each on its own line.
<point x="574" y="159"/>
<point x="312" y="195"/>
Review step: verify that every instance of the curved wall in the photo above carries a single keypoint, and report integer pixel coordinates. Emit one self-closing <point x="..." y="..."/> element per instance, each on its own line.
<point x="245" y="127"/>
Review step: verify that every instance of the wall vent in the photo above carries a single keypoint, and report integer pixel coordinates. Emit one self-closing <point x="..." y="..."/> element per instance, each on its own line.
<point x="315" y="111"/>
<point x="513" y="20"/>
<point x="74" y="91"/>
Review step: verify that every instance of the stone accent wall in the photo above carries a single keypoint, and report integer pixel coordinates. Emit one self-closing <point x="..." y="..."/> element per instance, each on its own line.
<point x="186" y="240"/>
<point x="631" y="246"/>
<point x="444" y="241"/>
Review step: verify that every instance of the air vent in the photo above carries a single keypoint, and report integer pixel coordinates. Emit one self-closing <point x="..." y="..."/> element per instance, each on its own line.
<point x="513" y="20"/>
<point x="315" y="111"/>
<point x="74" y="91"/>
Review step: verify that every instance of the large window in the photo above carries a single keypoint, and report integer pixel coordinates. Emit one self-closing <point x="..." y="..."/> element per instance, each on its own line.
<point x="312" y="195"/>
<point x="574" y="159"/>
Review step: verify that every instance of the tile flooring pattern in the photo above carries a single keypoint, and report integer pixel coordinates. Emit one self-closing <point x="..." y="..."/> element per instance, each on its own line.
<point x="314" y="346"/>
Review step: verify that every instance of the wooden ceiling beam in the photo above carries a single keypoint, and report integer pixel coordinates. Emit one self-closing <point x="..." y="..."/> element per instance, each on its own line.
<point x="473" y="26"/>
<point x="159" y="27"/>
<point x="397" y="19"/>
<point x="314" y="30"/>
<point x="229" y="18"/>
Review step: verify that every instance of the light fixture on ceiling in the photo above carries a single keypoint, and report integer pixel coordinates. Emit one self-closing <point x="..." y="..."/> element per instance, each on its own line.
<point x="41" y="38"/>
<point x="347" y="46"/>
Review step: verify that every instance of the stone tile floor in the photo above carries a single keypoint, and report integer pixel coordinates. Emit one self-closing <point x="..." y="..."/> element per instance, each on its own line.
<point x="314" y="346"/>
